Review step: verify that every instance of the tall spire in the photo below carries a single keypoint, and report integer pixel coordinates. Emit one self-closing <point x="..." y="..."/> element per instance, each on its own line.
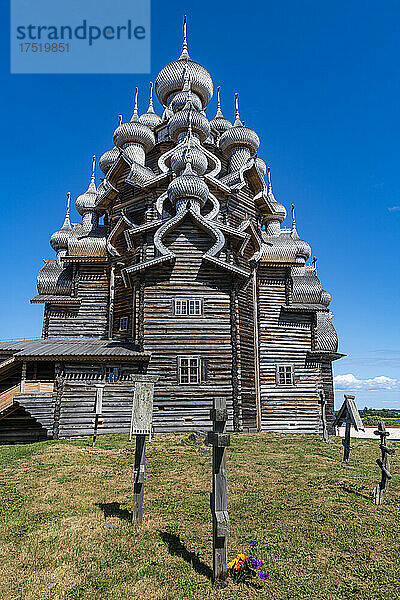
<point x="151" y="107"/>
<point x="269" y="181"/>
<point x="237" y="115"/>
<point x="120" y="117"/>
<point x="185" y="54"/>
<point x="294" y="230"/>
<point x="135" y="116"/>
<point x="219" y="111"/>
<point x="314" y="263"/>
<point x="93" y="167"/>
<point x="67" y="223"/>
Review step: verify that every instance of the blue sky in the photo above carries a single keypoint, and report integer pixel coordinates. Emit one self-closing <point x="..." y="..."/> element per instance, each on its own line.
<point x="318" y="81"/>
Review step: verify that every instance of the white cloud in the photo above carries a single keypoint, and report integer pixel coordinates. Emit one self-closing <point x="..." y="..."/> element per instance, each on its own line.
<point x="394" y="208"/>
<point x="350" y="382"/>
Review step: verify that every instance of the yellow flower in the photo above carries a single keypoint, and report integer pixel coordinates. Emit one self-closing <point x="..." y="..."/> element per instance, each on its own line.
<point x="232" y="563"/>
<point x="241" y="557"/>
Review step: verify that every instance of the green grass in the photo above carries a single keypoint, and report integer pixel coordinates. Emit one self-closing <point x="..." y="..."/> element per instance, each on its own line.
<point x="319" y="533"/>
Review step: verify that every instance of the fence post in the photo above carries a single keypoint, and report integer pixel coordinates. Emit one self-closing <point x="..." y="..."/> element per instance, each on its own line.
<point x="219" y="506"/>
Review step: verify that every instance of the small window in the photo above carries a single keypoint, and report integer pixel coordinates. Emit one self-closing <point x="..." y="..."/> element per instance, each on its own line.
<point x="112" y="374"/>
<point x="188" y="306"/>
<point x="123" y="324"/>
<point x="285" y="375"/>
<point x="189" y="370"/>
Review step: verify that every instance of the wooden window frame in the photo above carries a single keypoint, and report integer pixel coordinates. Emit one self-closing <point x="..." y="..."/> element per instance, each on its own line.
<point x="198" y="369"/>
<point x="121" y="319"/>
<point x="277" y="374"/>
<point x="112" y="374"/>
<point x="185" y="301"/>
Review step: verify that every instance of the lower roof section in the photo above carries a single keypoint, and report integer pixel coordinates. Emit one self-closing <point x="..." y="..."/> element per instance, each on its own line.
<point x="82" y="348"/>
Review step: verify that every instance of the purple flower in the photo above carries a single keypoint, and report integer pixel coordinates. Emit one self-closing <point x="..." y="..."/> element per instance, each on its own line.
<point x="263" y="575"/>
<point x="253" y="544"/>
<point x="252" y="562"/>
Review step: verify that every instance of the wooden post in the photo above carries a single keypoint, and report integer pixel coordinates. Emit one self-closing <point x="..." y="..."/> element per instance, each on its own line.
<point x="256" y="351"/>
<point x="378" y="493"/>
<point x="111" y="305"/>
<point x="346" y="440"/>
<point x="23" y="376"/>
<point x="98" y="410"/>
<point x="138" y="482"/>
<point x="322" y="402"/>
<point x="221" y="525"/>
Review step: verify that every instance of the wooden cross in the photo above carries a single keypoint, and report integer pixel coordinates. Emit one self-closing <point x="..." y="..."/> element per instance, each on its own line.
<point x="349" y="415"/>
<point x="378" y="493"/>
<point x="219" y="506"/>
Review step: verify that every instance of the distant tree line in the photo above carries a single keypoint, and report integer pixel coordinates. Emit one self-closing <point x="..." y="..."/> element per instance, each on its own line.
<point x="389" y="413"/>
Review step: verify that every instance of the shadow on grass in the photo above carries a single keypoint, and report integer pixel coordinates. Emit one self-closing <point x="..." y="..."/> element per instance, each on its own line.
<point x="177" y="548"/>
<point x="351" y="490"/>
<point x="113" y="509"/>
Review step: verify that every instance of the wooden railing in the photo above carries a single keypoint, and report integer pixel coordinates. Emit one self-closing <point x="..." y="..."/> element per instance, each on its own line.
<point x="29" y="387"/>
<point x="7" y="397"/>
<point x="32" y="387"/>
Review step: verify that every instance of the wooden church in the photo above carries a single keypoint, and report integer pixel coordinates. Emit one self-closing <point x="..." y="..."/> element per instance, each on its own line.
<point x="179" y="268"/>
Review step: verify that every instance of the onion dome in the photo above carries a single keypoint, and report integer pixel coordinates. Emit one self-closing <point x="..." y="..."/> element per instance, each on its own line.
<point x="303" y="249"/>
<point x="54" y="279"/>
<point x="239" y="136"/>
<point x="108" y="159"/>
<point x="261" y="166"/>
<point x="134" y="132"/>
<point x="169" y="79"/>
<point x="190" y="150"/>
<point x="188" y="186"/>
<point x="325" y="298"/>
<point x="193" y="153"/>
<point x="179" y="123"/>
<point x="59" y="239"/>
<point x="150" y="118"/>
<point x="180" y="98"/>
<point x="87" y="201"/>
<point x="219" y="123"/>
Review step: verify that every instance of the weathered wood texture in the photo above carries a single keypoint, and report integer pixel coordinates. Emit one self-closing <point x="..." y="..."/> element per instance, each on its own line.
<point x="40" y="406"/>
<point x="17" y="426"/>
<point x="138" y="479"/>
<point x="208" y="336"/>
<point x="78" y="403"/>
<point x="285" y="339"/>
<point x="90" y="318"/>
<point x="219" y="502"/>
<point x="247" y="357"/>
<point x="378" y="493"/>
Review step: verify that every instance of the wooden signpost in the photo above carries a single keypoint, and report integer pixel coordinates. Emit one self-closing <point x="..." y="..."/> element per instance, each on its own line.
<point x="141" y="423"/>
<point x="378" y="493"/>
<point x="348" y="414"/>
<point x="219" y="507"/>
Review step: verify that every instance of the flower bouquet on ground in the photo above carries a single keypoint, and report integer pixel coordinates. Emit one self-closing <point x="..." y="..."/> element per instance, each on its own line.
<point x="243" y="568"/>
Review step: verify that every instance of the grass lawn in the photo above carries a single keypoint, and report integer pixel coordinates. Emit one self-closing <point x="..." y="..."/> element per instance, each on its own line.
<point x="65" y="530"/>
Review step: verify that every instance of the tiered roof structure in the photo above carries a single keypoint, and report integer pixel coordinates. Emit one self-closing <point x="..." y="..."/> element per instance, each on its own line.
<point x="189" y="213"/>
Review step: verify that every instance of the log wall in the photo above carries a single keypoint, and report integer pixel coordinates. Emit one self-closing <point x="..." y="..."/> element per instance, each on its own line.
<point x="285" y="339"/>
